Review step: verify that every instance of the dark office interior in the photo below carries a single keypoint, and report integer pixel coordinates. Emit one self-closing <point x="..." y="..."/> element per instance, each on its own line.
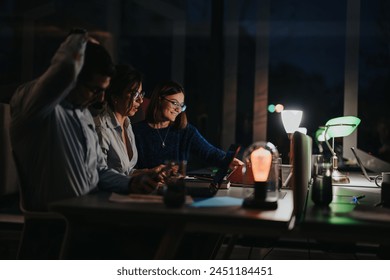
<point x="234" y="59"/>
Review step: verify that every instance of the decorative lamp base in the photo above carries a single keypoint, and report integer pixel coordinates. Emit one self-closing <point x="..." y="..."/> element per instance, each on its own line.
<point x="253" y="203"/>
<point x="339" y="178"/>
<point x="259" y="198"/>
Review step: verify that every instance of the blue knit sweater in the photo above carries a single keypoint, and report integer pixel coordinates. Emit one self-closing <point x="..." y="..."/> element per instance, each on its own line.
<point x="179" y="145"/>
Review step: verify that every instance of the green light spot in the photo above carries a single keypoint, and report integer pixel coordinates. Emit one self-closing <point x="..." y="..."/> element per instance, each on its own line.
<point x="271" y="108"/>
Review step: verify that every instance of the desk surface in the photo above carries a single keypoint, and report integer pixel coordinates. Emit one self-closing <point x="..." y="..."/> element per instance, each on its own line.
<point x="333" y="223"/>
<point x="97" y="208"/>
<point x="344" y="220"/>
<point x="98" y="212"/>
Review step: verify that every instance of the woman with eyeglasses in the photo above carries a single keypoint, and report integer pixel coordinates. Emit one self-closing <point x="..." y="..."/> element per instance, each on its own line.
<point x="165" y="134"/>
<point x="124" y="96"/>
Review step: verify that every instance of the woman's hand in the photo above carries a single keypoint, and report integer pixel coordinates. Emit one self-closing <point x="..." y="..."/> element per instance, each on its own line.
<point x="156" y="172"/>
<point x="143" y="182"/>
<point x="235" y="163"/>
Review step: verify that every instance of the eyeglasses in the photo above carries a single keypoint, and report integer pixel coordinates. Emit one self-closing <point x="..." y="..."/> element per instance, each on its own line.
<point x="94" y="89"/>
<point x="138" y="94"/>
<point x="182" y="107"/>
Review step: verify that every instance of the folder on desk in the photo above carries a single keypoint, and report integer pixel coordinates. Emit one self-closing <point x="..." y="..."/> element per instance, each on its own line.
<point x="193" y="182"/>
<point x="141" y="198"/>
<point x="218" y="201"/>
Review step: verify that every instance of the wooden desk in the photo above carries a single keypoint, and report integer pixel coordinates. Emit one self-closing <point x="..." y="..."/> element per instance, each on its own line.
<point x="98" y="211"/>
<point x="336" y="223"/>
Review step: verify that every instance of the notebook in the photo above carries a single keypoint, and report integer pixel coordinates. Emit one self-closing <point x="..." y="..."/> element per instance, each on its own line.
<point x="370" y="178"/>
<point x="210" y="187"/>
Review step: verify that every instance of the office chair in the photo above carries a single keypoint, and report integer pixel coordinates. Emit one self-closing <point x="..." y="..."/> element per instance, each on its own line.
<point x="43" y="232"/>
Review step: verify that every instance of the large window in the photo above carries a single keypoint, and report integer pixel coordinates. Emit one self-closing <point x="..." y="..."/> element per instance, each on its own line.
<point x="211" y="47"/>
<point x="374" y="79"/>
<point x="307" y="56"/>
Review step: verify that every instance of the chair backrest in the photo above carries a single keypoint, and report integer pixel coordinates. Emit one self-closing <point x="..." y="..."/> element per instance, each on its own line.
<point x="24" y="200"/>
<point x="22" y="184"/>
<point x="302" y="150"/>
<point x="8" y="175"/>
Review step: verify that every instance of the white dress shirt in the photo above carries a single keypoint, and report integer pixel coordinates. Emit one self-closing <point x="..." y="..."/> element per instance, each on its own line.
<point x="110" y="138"/>
<point x="54" y="142"/>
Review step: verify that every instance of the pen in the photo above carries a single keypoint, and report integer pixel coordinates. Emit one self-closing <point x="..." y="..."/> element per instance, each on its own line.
<point x="355" y="199"/>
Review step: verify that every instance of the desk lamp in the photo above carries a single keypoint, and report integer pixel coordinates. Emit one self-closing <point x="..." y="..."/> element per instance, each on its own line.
<point x="338" y="127"/>
<point x="262" y="159"/>
<point x="319" y="138"/>
<point x="291" y="120"/>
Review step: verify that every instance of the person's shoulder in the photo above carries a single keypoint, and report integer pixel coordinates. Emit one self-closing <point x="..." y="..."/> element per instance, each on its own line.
<point x="106" y="120"/>
<point x="191" y="128"/>
<point x="22" y="90"/>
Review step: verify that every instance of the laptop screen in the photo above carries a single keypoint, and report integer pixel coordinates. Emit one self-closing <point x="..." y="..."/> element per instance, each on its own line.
<point x="211" y="186"/>
<point x="224" y="168"/>
<point x="361" y="165"/>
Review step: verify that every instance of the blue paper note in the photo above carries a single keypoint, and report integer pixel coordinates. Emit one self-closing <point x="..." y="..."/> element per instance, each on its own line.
<point x="218" y="201"/>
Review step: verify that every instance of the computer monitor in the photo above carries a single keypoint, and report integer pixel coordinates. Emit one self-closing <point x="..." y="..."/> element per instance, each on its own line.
<point x="302" y="151"/>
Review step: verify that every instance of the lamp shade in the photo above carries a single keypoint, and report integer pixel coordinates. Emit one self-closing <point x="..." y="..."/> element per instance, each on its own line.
<point x="320" y="134"/>
<point x="341" y="126"/>
<point x="291" y="120"/>
<point x="302" y="130"/>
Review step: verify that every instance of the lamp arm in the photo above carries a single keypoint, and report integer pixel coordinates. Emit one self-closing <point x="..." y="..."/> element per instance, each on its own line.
<point x="320" y="148"/>
<point x="330" y="148"/>
<point x="334" y="157"/>
<point x="327" y="143"/>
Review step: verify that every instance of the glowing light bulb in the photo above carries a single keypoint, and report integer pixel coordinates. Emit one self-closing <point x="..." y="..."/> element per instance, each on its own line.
<point x="262" y="159"/>
<point x="261" y="164"/>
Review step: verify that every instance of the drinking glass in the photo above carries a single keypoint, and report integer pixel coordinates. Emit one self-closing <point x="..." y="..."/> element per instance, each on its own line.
<point x="174" y="173"/>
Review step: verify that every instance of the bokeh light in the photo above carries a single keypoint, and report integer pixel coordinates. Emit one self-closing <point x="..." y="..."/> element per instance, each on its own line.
<point x="271" y="108"/>
<point x="279" y="108"/>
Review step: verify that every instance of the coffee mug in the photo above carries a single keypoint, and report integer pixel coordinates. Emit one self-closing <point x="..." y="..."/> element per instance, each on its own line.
<point x="316" y="162"/>
<point x="385" y="187"/>
<point x="322" y="192"/>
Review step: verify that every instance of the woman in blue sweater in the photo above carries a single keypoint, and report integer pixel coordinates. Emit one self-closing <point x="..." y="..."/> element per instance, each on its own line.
<point x="165" y="134"/>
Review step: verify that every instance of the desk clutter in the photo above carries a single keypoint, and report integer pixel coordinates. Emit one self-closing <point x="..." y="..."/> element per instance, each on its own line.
<point x="142" y="198"/>
<point x="370" y="213"/>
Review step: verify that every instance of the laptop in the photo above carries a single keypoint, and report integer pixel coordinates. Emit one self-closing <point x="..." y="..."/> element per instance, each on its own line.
<point x="213" y="184"/>
<point x="370" y="178"/>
